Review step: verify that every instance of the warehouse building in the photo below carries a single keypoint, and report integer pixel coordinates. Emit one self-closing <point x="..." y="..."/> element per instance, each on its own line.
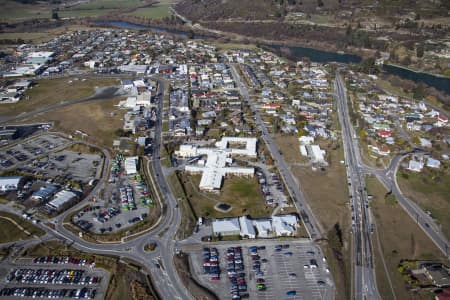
<point x="44" y="193"/>
<point x="226" y="227"/>
<point x="8" y="184"/>
<point x="131" y="165"/>
<point x="276" y="226"/>
<point x="61" y="201"/>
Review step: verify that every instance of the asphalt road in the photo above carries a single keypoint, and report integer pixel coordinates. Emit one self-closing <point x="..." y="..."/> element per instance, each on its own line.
<point x="168" y="283"/>
<point x="364" y="284"/>
<point x="364" y="280"/>
<point x="294" y="190"/>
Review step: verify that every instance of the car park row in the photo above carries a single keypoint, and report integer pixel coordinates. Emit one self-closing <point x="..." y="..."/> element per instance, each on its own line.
<point x="51" y="276"/>
<point x="82" y="293"/>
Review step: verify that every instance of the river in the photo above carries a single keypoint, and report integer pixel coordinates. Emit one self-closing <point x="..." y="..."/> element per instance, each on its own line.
<point x="439" y="82"/>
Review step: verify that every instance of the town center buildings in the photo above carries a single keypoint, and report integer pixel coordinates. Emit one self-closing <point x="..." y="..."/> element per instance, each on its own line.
<point x="218" y="160"/>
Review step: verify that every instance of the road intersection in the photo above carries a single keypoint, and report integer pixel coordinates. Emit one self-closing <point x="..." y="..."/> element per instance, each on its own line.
<point x="167" y="281"/>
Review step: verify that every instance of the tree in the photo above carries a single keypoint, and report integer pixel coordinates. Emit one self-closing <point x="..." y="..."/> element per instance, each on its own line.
<point x="55" y="15"/>
<point x="420" y="50"/>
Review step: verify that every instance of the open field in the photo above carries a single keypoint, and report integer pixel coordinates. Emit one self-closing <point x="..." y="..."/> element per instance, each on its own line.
<point x="431" y="190"/>
<point x="290" y="147"/>
<point x="108" y="4"/>
<point x="11" y="232"/>
<point x="42" y="35"/>
<point x="243" y="194"/>
<point x="99" y="119"/>
<point x="51" y="91"/>
<point x="326" y="191"/>
<point x="154" y="12"/>
<point x="15" y="11"/>
<point x="327" y="194"/>
<point x="407" y="241"/>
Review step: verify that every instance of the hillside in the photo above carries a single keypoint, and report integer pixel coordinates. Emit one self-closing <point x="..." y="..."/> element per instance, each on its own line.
<point x="197" y="10"/>
<point x="411" y="33"/>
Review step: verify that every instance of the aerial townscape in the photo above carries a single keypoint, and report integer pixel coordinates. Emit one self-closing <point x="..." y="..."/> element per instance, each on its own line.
<point x="210" y="149"/>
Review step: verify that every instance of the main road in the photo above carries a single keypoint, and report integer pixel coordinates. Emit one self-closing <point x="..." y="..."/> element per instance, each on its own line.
<point x="165" y="276"/>
<point x="364" y="281"/>
<point x="364" y="276"/>
<point x="312" y="226"/>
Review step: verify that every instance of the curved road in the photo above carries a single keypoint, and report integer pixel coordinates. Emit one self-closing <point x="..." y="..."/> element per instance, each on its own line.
<point x="166" y="278"/>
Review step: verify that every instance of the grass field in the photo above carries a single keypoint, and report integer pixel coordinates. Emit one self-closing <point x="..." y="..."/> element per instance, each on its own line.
<point x="400" y="238"/>
<point x="327" y="195"/>
<point x="290" y="147"/>
<point x="99" y="119"/>
<point x="13" y="10"/>
<point x="108" y="4"/>
<point x="154" y="12"/>
<point x="243" y="194"/>
<point x="11" y="232"/>
<point x="431" y="190"/>
<point x="51" y="91"/>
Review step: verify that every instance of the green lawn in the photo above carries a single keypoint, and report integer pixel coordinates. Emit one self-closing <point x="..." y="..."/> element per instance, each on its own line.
<point x="430" y="189"/>
<point x="108" y="4"/>
<point x="155" y="12"/>
<point x="243" y="194"/>
<point x="400" y="238"/>
<point x="10" y="232"/>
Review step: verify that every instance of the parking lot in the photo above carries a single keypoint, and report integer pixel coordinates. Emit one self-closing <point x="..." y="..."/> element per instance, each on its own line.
<point x="45" y="156"/>
<point x="29" y="150"/>
<point x="126" y="201"/>
<point x="54" y="277"/>
<point x="271" y="269"/>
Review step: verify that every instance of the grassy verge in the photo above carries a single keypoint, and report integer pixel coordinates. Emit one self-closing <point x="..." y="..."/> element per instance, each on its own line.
<point x="189" y="218"/>
<point x="406" y="241"/>
<point x="430" y="189"/>
<point x="196" y="290"/>
<point x="10" y="232"/>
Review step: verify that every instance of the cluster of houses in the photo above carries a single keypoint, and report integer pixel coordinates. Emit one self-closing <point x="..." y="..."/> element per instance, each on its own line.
<point x="389" y="121"/>
<point x="275" y="226"/>
<point x="105" y="51"/>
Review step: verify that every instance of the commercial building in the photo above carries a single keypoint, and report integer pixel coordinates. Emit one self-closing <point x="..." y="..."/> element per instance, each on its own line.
<point x="218" y="161"/>
<point x="284" y="225"/>
<point x="10" y="183"/>
<point x="131" y="165"/>
<point x="44" y="193"/>
<point x="39" y="58"/>
<point x="226" y="227"/>
<point x="62" y="200"/>
<point x="281" y="225"/>
<point x="314" y="153"/>
<point x="247" y="228"/>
